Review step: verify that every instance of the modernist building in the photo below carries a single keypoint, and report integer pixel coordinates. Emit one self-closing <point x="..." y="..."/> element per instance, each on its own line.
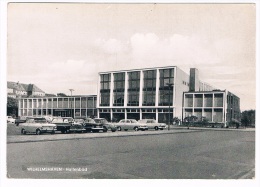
<point x="145" y="93"/>
<point x="74" y="106"/>
<point x="216" y="106"/>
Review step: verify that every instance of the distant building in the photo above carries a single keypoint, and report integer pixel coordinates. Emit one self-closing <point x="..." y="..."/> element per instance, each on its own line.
<point x="16" y="89"/>
<point x="216" y="106"/>
<point x="70" y="106"/>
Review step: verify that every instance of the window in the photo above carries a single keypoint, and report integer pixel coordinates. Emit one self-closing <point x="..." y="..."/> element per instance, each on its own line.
<point x="133" y="88"/>
<point x="166" y="92"/>
<point x="149" y="88"/>
<point x="105" y="89"/>
<point x="119" y="89"/>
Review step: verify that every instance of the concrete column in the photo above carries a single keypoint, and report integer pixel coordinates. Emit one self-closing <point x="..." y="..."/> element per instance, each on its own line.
<point x="157" y="87"/>
<point x="193" y="98"/>
<point x="202" y="111"/>
<point x="111" y="114"/>
<point x="98" y="93"/>
<point x="156" y="114"/>
<point x="126" y="89"/>
<point x="141" y="89"/>
<point x="111" y="89"/>
<point x="42" y="107"/>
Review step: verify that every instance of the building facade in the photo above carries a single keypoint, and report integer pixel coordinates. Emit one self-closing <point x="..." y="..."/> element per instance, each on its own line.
<point x="74" y="106"/>
<point x="16" y="90"/>
<point x="215" y="106"/>
<point x="144" y="93"/>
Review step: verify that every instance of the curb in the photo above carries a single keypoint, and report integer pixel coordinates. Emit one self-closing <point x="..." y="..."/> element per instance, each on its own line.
<point x="176" y="130"/>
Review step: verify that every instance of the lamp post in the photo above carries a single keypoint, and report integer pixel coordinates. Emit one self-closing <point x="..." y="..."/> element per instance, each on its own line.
<point x="71" y="90"/>
<point x="169" y="112"/>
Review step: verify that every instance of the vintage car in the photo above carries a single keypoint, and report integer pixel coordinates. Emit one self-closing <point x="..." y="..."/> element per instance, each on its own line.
<point x="98" y="124"/>
<point x="77" y="125"/>
<point x="37" y="125"/>
<point x="152" y="124"/>
<point x="63" y="123"/>
<point x="103" y="125"/>
<point x="130" y="124"/>
<point x="20" y="119"/>
<point x="10" y="119"/>
<point x="90" y="124"/>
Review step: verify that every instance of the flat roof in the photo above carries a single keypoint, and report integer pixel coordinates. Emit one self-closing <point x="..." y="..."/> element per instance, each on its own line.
<point x="42" y="97"/>
<point x="165" y="67"/>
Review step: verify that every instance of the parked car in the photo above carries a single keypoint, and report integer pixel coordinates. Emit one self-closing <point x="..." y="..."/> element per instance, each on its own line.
<point x="10" y="119"/>
<point x="90" y="124"/>
<point x="77" y="125"/>
<point x="48" y="118"/>
<point x="63" y="123"/>
<point x="126" y="124"/>
<point x="152" y="124"/>
<point x="99" y="124"/>
<point x="37" y="125"/>
<point x="20" y="119"/>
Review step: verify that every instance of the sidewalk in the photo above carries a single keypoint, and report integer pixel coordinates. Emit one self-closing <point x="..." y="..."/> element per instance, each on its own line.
<point x="57" y="137"/>
<point x="214" y="129"/>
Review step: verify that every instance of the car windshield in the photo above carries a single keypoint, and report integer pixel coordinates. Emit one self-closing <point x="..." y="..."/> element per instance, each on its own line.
<point x="133" y="121"/>
<point x="90" y="120"/>
<point x="79" y="120"/>
<point x="36" y="120"/>
<point x="68" y="119"/>
<point x="100" y="120"/>
<point x="57" y="120"/>
<point x="40" y="120"/>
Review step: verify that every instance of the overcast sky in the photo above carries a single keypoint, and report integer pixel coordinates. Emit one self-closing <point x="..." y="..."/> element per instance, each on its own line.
<point x="63" y="46"/>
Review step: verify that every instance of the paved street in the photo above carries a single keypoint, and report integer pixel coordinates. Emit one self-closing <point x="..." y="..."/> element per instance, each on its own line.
<point x="194" y="155"/>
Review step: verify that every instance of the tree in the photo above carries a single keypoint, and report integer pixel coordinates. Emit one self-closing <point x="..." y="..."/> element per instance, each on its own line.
<point x="248" y="118"/>
<point x="61" y="95"/>
<point x="12" y="106"/>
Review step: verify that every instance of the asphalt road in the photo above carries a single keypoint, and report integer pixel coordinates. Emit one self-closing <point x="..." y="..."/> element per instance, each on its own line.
<point x="194" y="155"/>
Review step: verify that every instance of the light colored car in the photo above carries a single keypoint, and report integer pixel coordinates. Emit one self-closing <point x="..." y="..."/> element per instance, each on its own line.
<point x="10" y="119"/>
<point x="130" y="124"/>
<point x="152" y="124"/>
<point x="37" y="125"/>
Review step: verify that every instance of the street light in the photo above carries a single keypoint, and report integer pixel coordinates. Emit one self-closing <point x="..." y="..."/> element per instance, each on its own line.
<point x="71" y="90"/>
<point x="169" y="113"/>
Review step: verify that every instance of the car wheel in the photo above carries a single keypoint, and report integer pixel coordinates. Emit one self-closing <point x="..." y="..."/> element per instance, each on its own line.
<point x="23" y="131"/>
<point x="38" y="131"/>
<point x="65" y="131"/>
<point x="156" y="128"/>
<point x="136" y="128"/>
<point x="52" y="132"/>
<point x="104" y="129"/>
<point x="119" y="128"/>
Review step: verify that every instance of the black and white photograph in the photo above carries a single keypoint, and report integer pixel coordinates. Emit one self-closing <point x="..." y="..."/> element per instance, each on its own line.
<point x="129" y="90"/>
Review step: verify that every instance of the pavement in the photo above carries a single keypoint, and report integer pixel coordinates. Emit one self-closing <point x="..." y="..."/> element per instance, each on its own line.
<point x="57" y="137"/>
